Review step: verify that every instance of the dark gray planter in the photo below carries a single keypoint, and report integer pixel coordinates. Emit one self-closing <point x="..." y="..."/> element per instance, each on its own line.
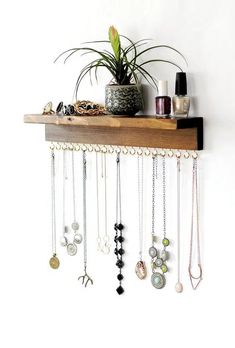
<point x="123" y="99"/>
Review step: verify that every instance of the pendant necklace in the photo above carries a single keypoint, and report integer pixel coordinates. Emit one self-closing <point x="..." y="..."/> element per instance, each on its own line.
<point x="179" y="285"/>
<point x="140" y="268"/>
<point x="195" y="279"/>
<point x="118" y="227"/>
<point x="85" y="278"/>
<point x="54" y="261"/>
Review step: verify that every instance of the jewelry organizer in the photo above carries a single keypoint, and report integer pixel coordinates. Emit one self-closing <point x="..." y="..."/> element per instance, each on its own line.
<point x="139" y="135"/>
<point x="138" y="131"/>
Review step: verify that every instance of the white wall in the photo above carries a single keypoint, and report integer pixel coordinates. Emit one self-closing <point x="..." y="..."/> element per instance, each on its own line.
<point x="40" y="307"/>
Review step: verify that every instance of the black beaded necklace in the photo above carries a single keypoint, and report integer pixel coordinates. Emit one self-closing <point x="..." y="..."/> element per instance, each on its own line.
<point x="118" y="227"/>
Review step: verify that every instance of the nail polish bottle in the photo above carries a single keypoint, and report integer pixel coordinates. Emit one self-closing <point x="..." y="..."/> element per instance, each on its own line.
<point x="163" y="101"/>
<point x="181" y="102"/>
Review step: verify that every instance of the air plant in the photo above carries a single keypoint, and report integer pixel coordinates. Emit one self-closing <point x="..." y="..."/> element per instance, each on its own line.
<point x="125" y="64"/>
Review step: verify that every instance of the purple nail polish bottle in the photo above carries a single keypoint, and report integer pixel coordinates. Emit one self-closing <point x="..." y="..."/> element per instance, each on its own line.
<point x="163" y="101"/>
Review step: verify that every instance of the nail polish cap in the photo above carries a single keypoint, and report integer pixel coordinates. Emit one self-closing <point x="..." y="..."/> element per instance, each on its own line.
<point x="162" y="88"/>
<point x="181" y="83"/>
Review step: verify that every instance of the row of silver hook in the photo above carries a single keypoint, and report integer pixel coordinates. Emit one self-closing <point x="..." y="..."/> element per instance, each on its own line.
<point x="126" y="150"/>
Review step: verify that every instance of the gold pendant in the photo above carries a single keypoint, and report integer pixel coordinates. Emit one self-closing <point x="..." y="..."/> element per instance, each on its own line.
<point x="54" y="262"/>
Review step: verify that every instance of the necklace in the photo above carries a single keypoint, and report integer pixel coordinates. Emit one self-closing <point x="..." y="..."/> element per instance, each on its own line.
<point x="75" y="226"/>
<point x="140" y="268"/>
<point x="195" y="216"/>
<point x="179" y="285"/>
<point x="118" y="227"/>
<point x="159" y="259"/>
<point x="85" y="278"/>
<point x="106" y="245"/>
<point x="64" y="238"/>
<point x="77" y="237"/>
<point x="102" y="243"/>
<point x="97" y="204"/>
<point x="54" y="261"/>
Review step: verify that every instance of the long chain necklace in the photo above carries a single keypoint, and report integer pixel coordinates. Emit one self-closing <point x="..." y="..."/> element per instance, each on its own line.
<point x="64" y="238"/>
<point x="102" y="243"/>
<point x="106" y="245"/>
<point x="179" y="285"/>
<point x="195" y="216"/>
<point x="85" y="278"/>
<point x="118" y="227"/>
<point x="159" y="258"/>
<point x="75" y="226"/>
<point x="54" y="261"/>
<point x="97" y="204"/>
<point x="140" y="268"/>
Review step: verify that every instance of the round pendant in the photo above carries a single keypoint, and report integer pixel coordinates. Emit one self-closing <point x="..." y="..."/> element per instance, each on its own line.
<point x="152" y="251"/>
<point x="158" y="280"/>
<point x="72" y="249"/>
<point x="54" y="262"/>
<point x="158" y="262"/>
<point x="165" y="242"/>
<point x="78" y="238"/>
<point x="75" y="226"/>
<point x="63" y="241"/>
<point x="140" y="270"/>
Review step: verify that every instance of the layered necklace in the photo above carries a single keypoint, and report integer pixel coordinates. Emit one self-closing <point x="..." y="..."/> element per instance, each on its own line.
<point x="54" y="261"/>
<point x="140" y="268"/>
<point x="195" y="279"/>
<point x="159" y="258"/>
<point x="118" y="227"/>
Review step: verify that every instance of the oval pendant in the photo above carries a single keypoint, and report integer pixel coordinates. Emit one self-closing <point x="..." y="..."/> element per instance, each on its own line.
<point x="141" y="270"/>
<point x="178" y="287"/>
<point x="72" y="249"/>
<point x="54" y="262"/>
<point x="158" y="280"/>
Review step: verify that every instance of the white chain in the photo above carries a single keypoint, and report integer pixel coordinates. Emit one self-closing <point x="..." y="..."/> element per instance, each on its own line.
<point x="53" y="208"/>
<point x="140" y="201"/>
<point x="195" y="199"/>
<point x="84" y="207"/>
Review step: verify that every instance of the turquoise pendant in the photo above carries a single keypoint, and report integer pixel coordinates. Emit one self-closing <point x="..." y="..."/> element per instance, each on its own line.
<point x="158" y="280"/>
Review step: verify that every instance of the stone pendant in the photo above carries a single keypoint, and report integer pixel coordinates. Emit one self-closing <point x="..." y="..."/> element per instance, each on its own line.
<point x="141" y="270"/>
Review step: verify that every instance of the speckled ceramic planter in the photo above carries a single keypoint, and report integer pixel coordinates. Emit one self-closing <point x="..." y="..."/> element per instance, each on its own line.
<point x="123" y="99"/>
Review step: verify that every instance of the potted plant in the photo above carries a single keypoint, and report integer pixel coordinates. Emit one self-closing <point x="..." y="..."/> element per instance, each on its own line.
<point x="126" y="66"/>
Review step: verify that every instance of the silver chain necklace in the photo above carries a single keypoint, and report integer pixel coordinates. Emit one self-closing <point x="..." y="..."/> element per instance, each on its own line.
<point x="85" y="277"/>
<point x="140" y="268"/>
<point x="54" y="261"/>
<point x="195" y="279"/>
<point x="102" y="242"/>
<point x="179" y="285"/>
<point x="159" y="258"/>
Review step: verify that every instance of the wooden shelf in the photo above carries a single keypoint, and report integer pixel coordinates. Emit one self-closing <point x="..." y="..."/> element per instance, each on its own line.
<point x="142" y="131"/>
